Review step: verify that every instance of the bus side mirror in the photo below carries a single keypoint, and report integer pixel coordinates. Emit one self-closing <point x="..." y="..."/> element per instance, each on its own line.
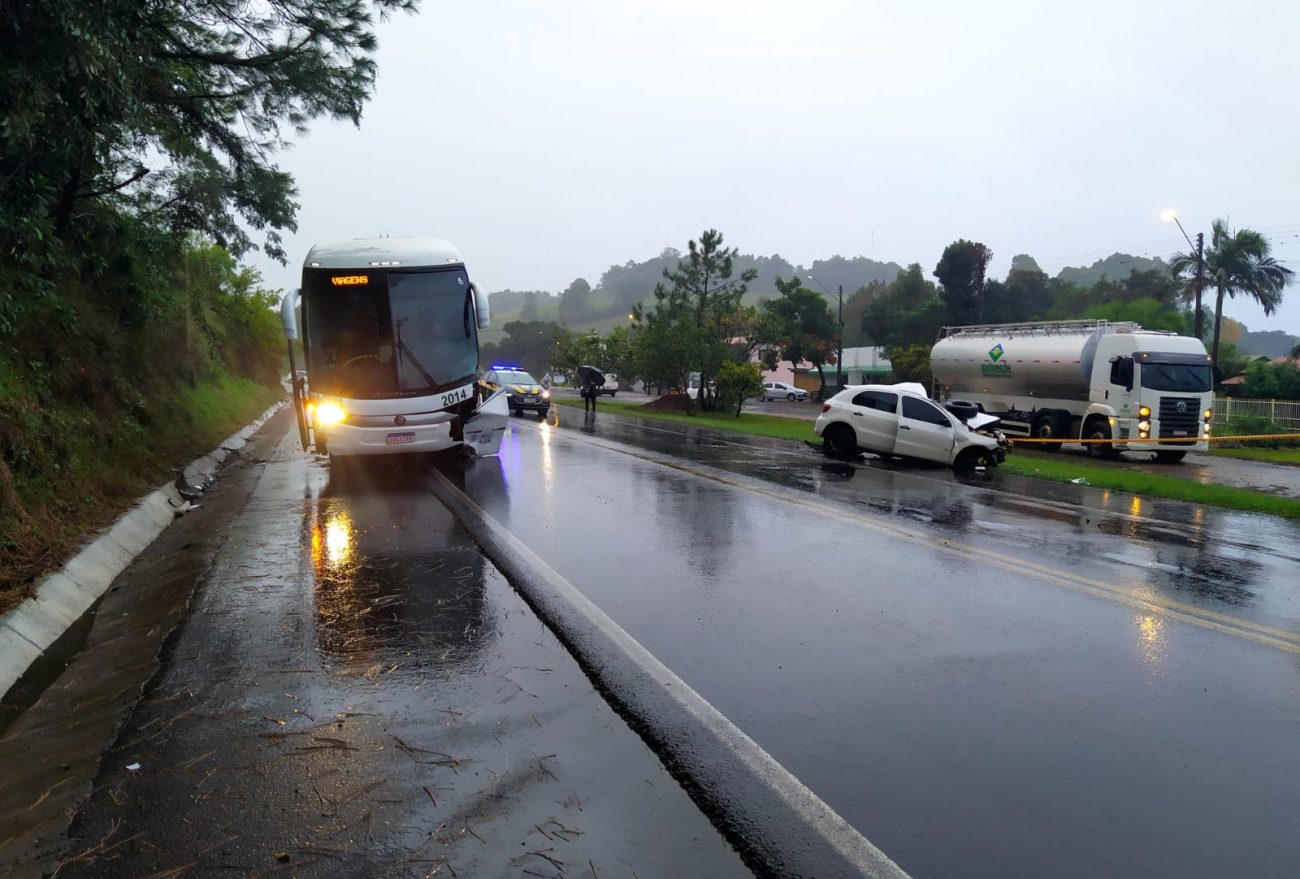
<point x="482" y="309"/>
<point x="287" y="317"/>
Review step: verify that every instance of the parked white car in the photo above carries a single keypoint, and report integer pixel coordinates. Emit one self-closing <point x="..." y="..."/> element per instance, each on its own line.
<point x="901" y="420"/>
<point x="782" y="391"/>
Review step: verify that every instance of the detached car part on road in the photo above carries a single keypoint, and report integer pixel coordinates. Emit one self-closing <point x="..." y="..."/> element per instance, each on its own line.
<point x="900" y="420"/>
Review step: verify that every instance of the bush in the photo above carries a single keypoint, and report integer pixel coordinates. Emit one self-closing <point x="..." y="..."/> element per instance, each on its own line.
<point x="737" y="382"/>
<point x="1254" y="425"/>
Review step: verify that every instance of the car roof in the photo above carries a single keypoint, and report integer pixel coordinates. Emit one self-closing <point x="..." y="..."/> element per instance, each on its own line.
<point x="911" y="389"/>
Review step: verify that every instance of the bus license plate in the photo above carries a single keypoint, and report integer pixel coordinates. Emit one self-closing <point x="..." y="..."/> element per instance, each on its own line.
<point x="396" y="439"/>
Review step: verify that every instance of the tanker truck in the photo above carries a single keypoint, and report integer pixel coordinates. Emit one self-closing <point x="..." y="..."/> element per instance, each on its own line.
<point x="1118" y="386"/>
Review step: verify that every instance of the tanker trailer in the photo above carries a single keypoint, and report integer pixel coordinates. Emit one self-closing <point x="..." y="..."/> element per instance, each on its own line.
<point x="1118" y="386"/>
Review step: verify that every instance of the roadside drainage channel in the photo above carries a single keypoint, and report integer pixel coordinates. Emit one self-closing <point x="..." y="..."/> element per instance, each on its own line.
<point x="63" y="598"/>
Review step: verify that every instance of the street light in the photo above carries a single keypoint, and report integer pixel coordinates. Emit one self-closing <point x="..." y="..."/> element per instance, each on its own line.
<point x="1169" y="215"/>
<point x="839" y="348"/>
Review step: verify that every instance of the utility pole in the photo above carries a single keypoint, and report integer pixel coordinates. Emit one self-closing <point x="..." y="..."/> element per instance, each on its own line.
<point x="839" y="353"/>
<point x="1200" y="283"/>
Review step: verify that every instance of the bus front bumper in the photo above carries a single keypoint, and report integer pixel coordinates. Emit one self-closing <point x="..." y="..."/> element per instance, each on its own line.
<point x="347" y="439"/>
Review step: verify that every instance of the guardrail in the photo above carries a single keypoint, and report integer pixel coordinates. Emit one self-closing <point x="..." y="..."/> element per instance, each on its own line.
<point x="1281" y="412"/>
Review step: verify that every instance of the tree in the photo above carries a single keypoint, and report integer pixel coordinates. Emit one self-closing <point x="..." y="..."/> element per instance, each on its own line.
<point x="529" y="310"/>
<point x="689" y="329"/>
<point x="1239" y="262"/>
<point x="803" y="326"/>
<point x="1150" y="314"/>
<point x="531" y="344"/>
<point x="737" y="382"/>
<point x="171" y="109"/>
<point x="575" y="304"/>
<point x="961" y="272"/>
<point x="911" y="364"/>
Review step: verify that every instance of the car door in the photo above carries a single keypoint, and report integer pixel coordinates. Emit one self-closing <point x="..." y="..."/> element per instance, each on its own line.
<point x="924" y="431"/>
<point x="874" y="415"/>
<point x="768" y="388"/>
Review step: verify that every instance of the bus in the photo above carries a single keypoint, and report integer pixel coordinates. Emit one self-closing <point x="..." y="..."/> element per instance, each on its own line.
<point x="389" y="330"/>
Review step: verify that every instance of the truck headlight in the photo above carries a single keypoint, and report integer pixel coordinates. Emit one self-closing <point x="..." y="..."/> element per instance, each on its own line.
<point x="1144" y="434"/>
<point x="329" y="412"/>
<point x="1209" y="413"/>
<point x="1144" y="412"/>
<point x="1144" y="426"/>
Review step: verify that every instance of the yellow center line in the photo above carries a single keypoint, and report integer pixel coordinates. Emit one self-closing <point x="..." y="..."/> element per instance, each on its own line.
<point x="1270" y="636"/>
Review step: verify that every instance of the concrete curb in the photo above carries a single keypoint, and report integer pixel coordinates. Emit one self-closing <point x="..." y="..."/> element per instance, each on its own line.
<point x="61" y="598"/>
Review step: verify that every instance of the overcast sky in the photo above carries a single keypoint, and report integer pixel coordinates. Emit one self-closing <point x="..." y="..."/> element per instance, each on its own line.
<point x="552" y="139"/>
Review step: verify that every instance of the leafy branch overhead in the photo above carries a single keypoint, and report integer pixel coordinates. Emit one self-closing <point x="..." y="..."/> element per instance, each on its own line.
<point x="171" y="110"/>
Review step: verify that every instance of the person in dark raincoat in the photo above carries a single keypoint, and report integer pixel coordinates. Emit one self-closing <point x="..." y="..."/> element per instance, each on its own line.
<point x="590" y="381"/>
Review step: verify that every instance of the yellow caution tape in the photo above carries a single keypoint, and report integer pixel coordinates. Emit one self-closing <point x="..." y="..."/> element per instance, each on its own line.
<point x="1165" y="441"/>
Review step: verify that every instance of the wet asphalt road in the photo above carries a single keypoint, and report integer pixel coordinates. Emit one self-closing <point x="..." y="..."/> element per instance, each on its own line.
<point x="359" y="692"/>
<point x="1060" y="681"/>
<point x="992" y="677"/>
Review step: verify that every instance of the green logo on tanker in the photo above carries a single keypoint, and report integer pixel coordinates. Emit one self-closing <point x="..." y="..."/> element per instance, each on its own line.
<point x="996" y="367"/>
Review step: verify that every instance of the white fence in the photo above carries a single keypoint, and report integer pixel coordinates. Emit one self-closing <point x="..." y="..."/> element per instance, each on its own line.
<point x="1283" y="412"/>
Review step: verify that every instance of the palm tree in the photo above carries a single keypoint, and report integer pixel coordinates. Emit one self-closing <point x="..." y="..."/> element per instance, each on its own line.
<point x="1237" y="262"/>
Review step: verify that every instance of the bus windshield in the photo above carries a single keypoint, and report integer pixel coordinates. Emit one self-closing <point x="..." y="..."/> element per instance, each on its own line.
<point x="1192" y="378"/>
<point x="389" y="334"/>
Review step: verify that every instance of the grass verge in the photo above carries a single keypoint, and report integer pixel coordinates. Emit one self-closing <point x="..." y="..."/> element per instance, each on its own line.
<point x="1143" y="484"/>
<point x="1270" y="456"/>
<point x="774" y="426"/>
<point x="1152" y="485"/>
<point x="97" y="465"/>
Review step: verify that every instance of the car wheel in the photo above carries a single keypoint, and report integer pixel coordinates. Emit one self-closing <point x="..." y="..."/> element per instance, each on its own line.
<point x="839" y="441"/>
<point x="974" y="459"/>
<point x="790" y="397"/>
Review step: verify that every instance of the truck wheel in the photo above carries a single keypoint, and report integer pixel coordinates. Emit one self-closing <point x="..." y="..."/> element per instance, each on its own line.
<point x="1163" y="457"/>
<point x="974" y="459"/>
<point x="839" y="441"/>
<point x="1099" y="429"/>
<point x="1045" y="428"/>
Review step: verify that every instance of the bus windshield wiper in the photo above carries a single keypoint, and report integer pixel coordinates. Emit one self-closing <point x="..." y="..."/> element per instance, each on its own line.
<point x="402" y="348"/>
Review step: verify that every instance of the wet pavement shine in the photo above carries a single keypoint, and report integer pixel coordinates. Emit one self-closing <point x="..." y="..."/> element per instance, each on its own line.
<point x="985" y="677"/>
<point x="359" y="692"/>
<point x="992" y="677"/>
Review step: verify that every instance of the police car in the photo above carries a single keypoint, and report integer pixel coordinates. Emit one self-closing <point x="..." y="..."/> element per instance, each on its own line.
<point x="523" y="391"/>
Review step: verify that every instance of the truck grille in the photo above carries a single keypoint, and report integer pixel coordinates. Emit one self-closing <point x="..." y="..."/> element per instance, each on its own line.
<point x="1176" y="426"/>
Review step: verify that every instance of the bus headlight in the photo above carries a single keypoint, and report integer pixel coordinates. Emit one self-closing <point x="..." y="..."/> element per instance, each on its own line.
<point x="1144" y="412"/>
<point x="328" y="413"/>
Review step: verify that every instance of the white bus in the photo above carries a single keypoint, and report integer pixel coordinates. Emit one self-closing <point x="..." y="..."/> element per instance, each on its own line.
<point x="389" y="330"/>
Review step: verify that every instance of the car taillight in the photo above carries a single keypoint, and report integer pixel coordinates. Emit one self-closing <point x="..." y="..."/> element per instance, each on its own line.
<point x="826" y="407"/>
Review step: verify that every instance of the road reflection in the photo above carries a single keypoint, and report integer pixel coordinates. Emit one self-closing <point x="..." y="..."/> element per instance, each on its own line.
<point x="395" y="580"/>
